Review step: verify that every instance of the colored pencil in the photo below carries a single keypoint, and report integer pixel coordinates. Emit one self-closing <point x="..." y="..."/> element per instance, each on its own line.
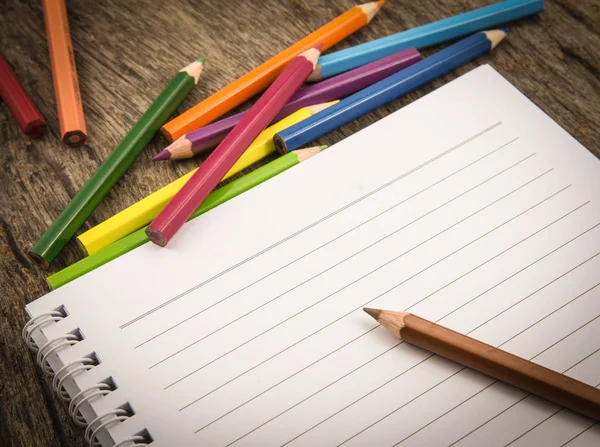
<point x="141" y="213"/>
<point x="190" y="196"/>
<point x="340" y="86"/>
<point x="64" y="73"/>
<point x="27" y="115"/>
<point x="494" y="362"/>
<point x="262" y="76"/>
<point x="488" y="17"/>
<point x="387" y="90"/>
<point x="213" y="200"/>
<point x="115" y="165"/>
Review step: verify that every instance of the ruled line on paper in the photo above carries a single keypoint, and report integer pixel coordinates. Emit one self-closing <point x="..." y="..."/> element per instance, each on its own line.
<point x="452" y="375"/>
<point x="498" y="284"/>
<point x="497" y="381"/>
<point x="382" y="213"/>
<point x="276" y="244"/>
<point x="578" y="435"/>
<point x="327" y="386"/>
<point x="392" y="260"/>
<point x="519" y="271"/>
<point x="405" y="404"/>
<point x="547" y="418"/>
<point x="362" y="250"/>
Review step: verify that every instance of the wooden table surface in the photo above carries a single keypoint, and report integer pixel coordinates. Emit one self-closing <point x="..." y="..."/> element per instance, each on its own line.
<point x="127" y="51"/>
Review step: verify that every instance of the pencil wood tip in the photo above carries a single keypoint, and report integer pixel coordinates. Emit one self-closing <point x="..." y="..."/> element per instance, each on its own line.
<point x="201" y="59"/>
<point x="315" y="76"/>
<point x="305" y="154"/>
<point x="373" y="312"/>
<point x="370" y="9"/>
<point x="156" y="237"/>
<point x="194" y="69"/>
<point x="39" y="260"/>
<point x="316" y="108"/>
<point x="74" y="138"/>
<point x="312" y="55"/>
<point x="180" y="148"/>
<point x="496" y="36"/>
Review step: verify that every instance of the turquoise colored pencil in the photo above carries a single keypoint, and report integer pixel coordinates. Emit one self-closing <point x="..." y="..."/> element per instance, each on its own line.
<point x="215" y="199"/>
<point x="488" y="17"/>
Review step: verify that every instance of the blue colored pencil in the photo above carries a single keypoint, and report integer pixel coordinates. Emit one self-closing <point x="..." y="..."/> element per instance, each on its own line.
<point x="488" y="17"/>
<point x="387" y="90"/>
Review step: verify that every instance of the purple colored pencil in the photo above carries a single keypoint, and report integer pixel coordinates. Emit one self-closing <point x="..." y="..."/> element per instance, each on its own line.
<point x="333" y="88"/>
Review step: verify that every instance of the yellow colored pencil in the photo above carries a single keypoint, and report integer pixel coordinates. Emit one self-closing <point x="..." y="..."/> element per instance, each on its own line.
<point x="141" y="213"/>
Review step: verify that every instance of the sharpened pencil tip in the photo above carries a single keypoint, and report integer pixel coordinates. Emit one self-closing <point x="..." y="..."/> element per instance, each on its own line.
<point x="323" y="147"/>
<point x="370" y="9"/>
<point x="495" y="36"/>
<point x="162" y="155"/>
<point x="373" y="312"/>
<point x="201" y="60"/>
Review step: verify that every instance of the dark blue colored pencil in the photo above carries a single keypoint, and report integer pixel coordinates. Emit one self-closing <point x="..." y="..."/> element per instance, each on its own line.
<point x="387" y="90"/>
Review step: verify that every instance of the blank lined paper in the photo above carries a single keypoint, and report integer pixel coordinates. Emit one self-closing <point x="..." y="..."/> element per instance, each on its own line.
<point x="469" y="207"/>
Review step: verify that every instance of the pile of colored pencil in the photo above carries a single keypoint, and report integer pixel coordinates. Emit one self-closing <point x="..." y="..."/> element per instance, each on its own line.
<point x="358" y="79"/>
<point x="351" y="82"/>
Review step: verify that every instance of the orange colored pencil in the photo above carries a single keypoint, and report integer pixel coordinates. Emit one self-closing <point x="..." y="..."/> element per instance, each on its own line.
<point x="64" y="73"/>
<point x="262" y="76"/>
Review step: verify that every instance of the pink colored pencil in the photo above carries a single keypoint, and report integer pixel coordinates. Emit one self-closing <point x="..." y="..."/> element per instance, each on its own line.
<point x="208" y="175"/>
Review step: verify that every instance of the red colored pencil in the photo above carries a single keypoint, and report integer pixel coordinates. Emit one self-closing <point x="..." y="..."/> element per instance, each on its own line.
<point x="28" y="117"/>
<point x="208" y="175"/>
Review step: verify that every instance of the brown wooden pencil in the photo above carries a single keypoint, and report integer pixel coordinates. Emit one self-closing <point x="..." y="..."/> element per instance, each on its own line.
<point x="64" y="73"/>
<point x="494" y="362"/>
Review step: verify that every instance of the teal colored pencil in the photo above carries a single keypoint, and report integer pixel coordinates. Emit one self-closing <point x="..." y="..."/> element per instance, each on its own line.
<point x="488" y="17"/>
<point x="214" y="199"/>
<point x="116" y="164"/>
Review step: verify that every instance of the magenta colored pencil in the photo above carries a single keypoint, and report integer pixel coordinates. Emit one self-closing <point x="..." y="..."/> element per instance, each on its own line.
<point x="337" y="87"/>
<point x="208" y="175"/>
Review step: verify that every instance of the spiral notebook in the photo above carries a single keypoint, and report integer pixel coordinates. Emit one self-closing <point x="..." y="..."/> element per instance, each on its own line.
<point x="469" y="207"/>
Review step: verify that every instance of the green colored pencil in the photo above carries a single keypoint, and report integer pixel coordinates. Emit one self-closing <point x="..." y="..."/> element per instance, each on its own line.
<point x="213" y="200"/>
<point x="115" y="165"/>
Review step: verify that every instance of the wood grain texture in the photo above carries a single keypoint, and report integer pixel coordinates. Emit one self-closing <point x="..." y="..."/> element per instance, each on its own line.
<point x="126" y="52"/>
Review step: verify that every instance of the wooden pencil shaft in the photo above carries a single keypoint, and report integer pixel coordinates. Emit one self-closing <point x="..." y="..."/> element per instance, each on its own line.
<point x="262" y="76"/>
<point x="111" y="170"/>
<point x="208" y="175"/>
<point x="17" y="100"/>
<point x="502" y="365"/>
<point x="64" y="73"/>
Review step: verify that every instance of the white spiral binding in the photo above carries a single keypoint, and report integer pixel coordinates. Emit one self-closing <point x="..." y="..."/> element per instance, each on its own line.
<point x="134" y="439"/>
<point x="69" y="370"/>
<point x="38" y="322"/>
<point x="82" y="364"/>
<point x="90" y="433"/>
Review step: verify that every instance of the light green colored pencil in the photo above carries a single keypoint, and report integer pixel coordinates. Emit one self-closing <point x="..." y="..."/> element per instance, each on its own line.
<point x="213" y="200"/>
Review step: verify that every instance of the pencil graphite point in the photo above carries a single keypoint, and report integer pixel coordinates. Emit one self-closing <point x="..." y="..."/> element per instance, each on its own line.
<point x="496" y="36"/>
<point x="373" y="312"/>
<point x="370" y="9"/>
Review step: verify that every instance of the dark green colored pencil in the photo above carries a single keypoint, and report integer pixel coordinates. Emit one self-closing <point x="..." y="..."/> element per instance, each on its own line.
<point x="115" y="165"/>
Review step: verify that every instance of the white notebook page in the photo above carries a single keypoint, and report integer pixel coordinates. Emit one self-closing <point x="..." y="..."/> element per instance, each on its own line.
<point x="469" y="207"/>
